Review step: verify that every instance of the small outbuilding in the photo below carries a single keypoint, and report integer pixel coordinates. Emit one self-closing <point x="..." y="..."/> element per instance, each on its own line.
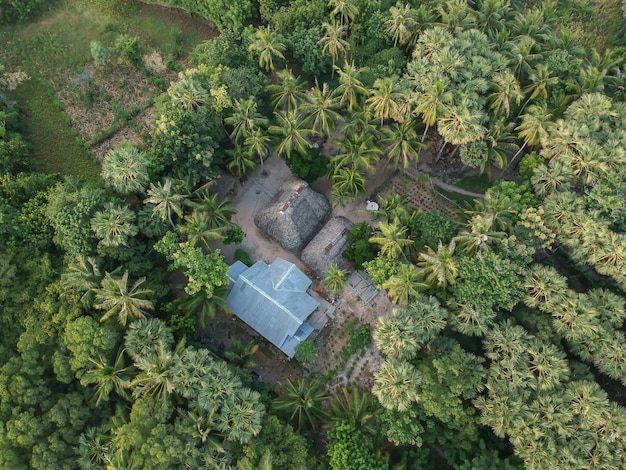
<point x="327" y="246"/>
<point x="273" y="300"/>
<point x="294" y="215"/>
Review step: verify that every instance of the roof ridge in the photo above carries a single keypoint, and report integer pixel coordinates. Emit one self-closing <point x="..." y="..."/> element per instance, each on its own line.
<point x="270" y="298"/>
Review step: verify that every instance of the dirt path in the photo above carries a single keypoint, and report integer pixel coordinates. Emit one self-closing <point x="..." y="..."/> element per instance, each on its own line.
<point x="454" y="189"/>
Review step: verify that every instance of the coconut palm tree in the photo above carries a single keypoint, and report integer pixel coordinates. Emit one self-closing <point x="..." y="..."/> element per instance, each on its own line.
<point x="199" y="228"/>
<point x="430" y="103"/>
<point x="157" y="373"/>
<point x="333" y="42"/>
<point x="240" y="160"/>
<point x="165" y="201"/>
<point x="480" y="237"/>
<point x="506" y="91"/>
<point x="358" y="150"/>
<point x="382" y="100"/>
<point x="269" y="46"/>
<point x="83" y="277"/>
<point x="348" y="182"/>
<point x="392" y="238"/>
<point x="534" y="128"/>
<point x="292" y="132"/>
<point x="350" y="89"/>
<point x="439" y="268"/>
<point x="335" y="279"/>
<point x="347" y="10"/>
<point x="401" y="144"/>
<point x="523" y="56"/>
<point x="493" y="16"/>
<point x="456" y="15"/>
<point x="245" y="119"/>
<point x="125" y="170"/>
<point x="405" y="285"/>
<point x="108" y="378"/>
<point x="401" y="24"/>
<point x="396" y="385"/>
<point x="257" y="143"/>
<point x="219" y="210"/>
<point x="264" y="464"/>
<point x="320" y="110"/>
<point x="114" y="225"/>
<point x="117" y="299"/>
<point x="355" y="406"/>
<point x="203" y="306"/>
<point x="241" y="354"/>
<point x="288" y="92"/>
<point x="302" y="401"/>
<point x="540" y="78"/>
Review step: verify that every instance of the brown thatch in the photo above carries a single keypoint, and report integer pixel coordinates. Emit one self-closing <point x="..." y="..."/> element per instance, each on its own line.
<point x="327" y="246"/>
<point x="294" y="215"/>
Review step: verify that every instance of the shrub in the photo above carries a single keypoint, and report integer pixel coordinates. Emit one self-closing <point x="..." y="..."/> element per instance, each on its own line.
<point x="432" y="228"/>
<point x="100" y="53"/>
<point x="305" y="352"/>
<point x="129" y="48"/>
<point x="243" y="256"/>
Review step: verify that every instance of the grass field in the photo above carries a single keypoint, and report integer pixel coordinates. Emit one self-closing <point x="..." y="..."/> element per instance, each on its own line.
<point x="57" y="47"/>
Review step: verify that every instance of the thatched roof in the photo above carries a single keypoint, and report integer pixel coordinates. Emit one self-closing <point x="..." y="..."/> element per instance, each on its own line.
<point x="327" y="246"/>
<point x="294" y="215"/>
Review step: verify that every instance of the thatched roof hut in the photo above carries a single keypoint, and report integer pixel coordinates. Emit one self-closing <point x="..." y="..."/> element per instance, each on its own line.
<point x="294" y="215"/>
<point x="327" y="246"/>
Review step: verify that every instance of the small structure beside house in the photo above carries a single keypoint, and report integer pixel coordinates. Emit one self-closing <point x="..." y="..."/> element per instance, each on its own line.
<point x="294" y="215"/>
<point x="273" y="300"/>
<point x="327" y="246"/>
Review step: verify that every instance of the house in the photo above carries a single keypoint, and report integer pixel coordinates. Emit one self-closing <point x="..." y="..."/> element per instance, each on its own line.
<point x="327" y="246"/>
<point x="273" y="300"/>
<point x="294" y="215"/>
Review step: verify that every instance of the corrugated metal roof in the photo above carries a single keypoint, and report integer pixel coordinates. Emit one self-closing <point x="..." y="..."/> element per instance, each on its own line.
<point x="272" y="299"/>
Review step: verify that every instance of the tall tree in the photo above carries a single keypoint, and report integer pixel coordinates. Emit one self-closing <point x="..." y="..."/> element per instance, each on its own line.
<point x="401" y="144"/>
<point x="288" y="93"/>
<point x="245" y="119"/>
<point x="382" y="100"/>
<point x="439" y="268"/>
<point x="350" y="89"/>
<point x="401" y="24"/>
<point x="292" y="132"/>
<point x="117" y="299"/>
<point x="392" y="238"/>
<point x="114" y="225"/>
<point x="346" y="9"/>
<point x="333" y="42"/>
<point x="165" y="200"/>
<point x="108" y="378"/>
<point x="320" y="110"/>
<point x="269" y="46"/>
<point x="302" y="401"/>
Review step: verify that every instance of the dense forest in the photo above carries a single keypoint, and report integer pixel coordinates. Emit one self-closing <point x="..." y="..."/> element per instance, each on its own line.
<point x="506" y="348"/>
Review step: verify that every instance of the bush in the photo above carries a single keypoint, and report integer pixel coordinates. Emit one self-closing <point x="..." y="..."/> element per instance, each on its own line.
<point x="14" y="154"/>
<point x="305" y="352"/>
<point x="100" y="53"/>
<point x="359" y="249"/>
<point x="304" y="43"/>
<point x="129" y="48"/>
<point x="17" y="10"/>
<point x="308" y="167"/>
<point x="223" y="50"/>
<point x="243" y="256"/>
<point x="432" y="228"/>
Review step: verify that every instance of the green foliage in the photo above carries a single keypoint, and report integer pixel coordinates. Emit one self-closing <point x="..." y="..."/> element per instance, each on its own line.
<point x="243" y="256"/>
<point x="18" y="10"/>
<point x="244" y="82"/>
<point x="298" y="14"/>
<point x="381" y="269"/>
<point x="222" y="50"/>
<point x="360" y="249"/>
<point x="100" y="53"/>
<point x="528" y="164"/>
<point x="287" y="448"/>
<point x="433" y="228"/>
<point x="306" y="351"/>
<point x="402" y="428"/>
<point x="15" y="154"/>
<point x="307" y="50"/>
<point x="488" y="281"/>
<point x="309" y="166"/>
<point x="360" y="337"/>
<point x="226" y="15"/>
<point x="608" y="196"/>
<point x="205" y="272"/>
<point x="70" y="209"/>
<point x="129" y="48"/>
<point x="518" y="196"/>
<point x="350" y="449"/>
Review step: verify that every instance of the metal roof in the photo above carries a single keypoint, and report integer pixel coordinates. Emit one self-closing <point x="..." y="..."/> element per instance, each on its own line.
<point x="273" y="300"/>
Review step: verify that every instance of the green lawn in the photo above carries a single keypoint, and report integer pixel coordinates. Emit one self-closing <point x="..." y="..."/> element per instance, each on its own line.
<point x="56" y="47"/>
